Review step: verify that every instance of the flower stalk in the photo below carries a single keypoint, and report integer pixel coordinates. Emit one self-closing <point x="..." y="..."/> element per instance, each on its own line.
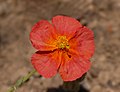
<point x="21" y="81"/>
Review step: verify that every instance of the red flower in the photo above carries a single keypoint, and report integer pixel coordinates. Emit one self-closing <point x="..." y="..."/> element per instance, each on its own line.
<point x="65" y="46"/>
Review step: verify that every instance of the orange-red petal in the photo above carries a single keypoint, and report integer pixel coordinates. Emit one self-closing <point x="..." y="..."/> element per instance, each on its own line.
<point x="73" y="67"/>
<point x="83" y="43"/>
<point x="42" y="36"/>
<point x="46" y="63"/>
<point x="66" y="25"/>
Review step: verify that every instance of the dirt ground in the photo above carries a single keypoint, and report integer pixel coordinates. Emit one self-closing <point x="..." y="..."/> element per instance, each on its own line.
<point x="18" y="16"/>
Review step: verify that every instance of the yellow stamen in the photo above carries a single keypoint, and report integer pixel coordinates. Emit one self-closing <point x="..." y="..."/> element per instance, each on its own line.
<point x="62" y="42"/>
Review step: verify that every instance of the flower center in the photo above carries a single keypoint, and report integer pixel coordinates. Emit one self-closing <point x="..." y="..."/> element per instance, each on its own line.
<point x="62" y="42"/>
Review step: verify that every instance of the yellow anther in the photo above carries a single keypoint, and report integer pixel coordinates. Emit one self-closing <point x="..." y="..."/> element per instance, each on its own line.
<point x="62" y="42"/>
<point x="67" y="46"/>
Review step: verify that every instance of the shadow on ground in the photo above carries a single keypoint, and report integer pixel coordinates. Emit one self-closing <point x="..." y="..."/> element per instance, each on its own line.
<point x="60" y="89"/>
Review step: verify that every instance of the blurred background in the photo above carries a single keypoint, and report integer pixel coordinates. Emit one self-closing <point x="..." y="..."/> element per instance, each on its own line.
<point x="18" y="16"/>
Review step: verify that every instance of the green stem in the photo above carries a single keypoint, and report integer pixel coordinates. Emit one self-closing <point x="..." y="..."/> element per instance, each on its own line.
<point x="21" y="81"/>
<point x="73" y="86"/>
